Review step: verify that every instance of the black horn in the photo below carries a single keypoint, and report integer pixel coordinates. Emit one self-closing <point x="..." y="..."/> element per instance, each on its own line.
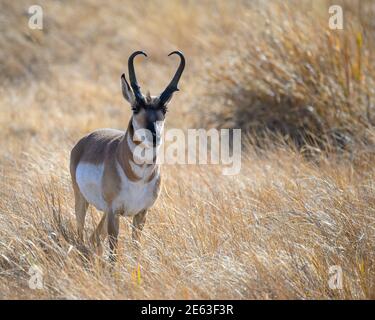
<point x="132" y="77"/>
<point x="172" y="87"/>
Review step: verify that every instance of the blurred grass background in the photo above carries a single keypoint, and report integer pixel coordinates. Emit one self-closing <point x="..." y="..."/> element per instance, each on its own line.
<point x="272" y="68"/>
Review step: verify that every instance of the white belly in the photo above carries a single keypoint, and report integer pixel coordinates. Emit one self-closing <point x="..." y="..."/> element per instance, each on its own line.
<point x="89" y="179"/>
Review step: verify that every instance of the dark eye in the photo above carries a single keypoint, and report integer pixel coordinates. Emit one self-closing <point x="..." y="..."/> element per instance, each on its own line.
<point x="137" y="107"/>
<point x="135" y="110"/>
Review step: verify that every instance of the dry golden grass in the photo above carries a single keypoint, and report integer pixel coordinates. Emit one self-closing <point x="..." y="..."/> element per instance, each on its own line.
<point x="289" y="73"/>
<point x="271" y="232"/>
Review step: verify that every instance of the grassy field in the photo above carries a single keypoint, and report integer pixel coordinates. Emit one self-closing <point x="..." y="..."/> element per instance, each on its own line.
<point x="303" y="94"/>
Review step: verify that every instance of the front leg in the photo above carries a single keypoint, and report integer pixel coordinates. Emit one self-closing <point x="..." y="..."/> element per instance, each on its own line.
<point x="100" y="232"/>
<point x="138" y="224"/>
<point x="113" y="230"/>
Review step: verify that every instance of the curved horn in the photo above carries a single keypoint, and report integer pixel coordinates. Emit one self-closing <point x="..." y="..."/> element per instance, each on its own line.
<point x="172" y="87"/>
<point x="132" y="77"/>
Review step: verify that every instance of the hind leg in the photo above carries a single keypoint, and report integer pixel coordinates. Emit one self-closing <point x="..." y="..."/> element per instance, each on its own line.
<point x="139" y="221"/>
<point x="81" y="206"/>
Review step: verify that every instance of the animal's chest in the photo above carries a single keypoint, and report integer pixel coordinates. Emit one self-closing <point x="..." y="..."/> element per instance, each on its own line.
<point x="131" y="198"/>
<point x="134" y="196"/>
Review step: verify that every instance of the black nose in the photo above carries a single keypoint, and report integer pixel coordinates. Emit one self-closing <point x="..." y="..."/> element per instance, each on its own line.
<point x="152" y="128"/>
<point x="154" y="139"/>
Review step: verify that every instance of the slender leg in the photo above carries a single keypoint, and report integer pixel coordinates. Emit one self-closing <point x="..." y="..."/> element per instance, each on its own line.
<point x="138" y="224"/>
<point x="113" y="230"/>
<point x="100" y="232"/>
<point x="81" y="206"/>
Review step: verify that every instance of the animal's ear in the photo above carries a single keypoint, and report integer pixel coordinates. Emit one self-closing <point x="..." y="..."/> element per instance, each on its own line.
<point x="126" y="90"/>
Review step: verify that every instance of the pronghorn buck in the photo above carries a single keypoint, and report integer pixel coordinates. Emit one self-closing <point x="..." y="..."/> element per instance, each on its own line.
<point x="105" y="172"/>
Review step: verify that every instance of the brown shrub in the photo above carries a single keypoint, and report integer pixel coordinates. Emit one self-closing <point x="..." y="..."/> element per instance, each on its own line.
<point x="287" y="72"/>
